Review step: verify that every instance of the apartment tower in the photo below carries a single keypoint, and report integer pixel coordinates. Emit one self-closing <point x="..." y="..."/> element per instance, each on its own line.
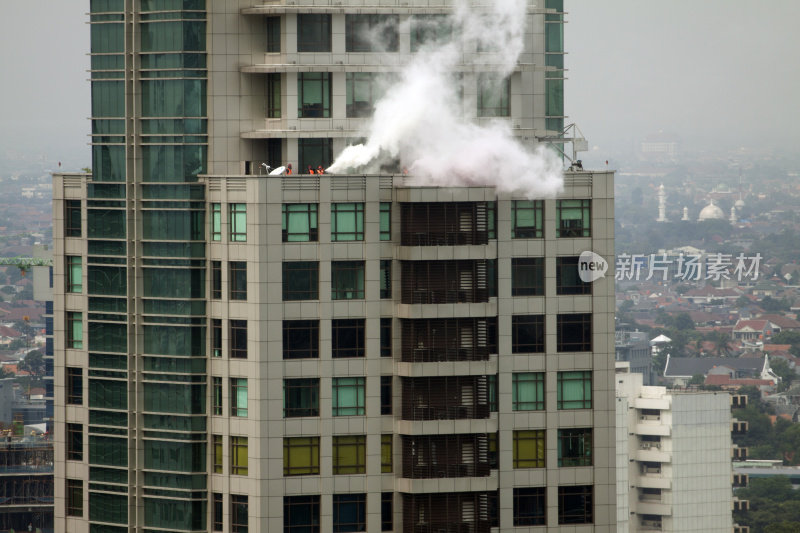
<point x="237" y="351"/>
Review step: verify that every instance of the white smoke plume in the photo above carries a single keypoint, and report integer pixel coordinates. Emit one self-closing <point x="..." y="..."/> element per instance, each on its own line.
<point x="419" y="121"/>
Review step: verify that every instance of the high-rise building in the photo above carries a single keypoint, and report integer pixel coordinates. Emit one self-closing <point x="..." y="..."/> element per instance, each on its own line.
<point x="674" y="458"/>
<point x="249" y="352"/>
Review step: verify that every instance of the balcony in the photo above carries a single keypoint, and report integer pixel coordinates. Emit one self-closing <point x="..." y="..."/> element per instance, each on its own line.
<point x="453" y="339"/>
<point x="651" y="452"/>
<point x="741" y="505"/>
<point x="739" y="454"/>
<point x="650" y="525"/>
<point x="26" y="458"/>
<point x="444" y="223"/>
<point x="445" y="398"/>
<point x="739" y="427"/>
<point x="740" y="480"/>
<point x="738" y="401"/>
<point x="741" y="529"/>
<point x="450" y="456"/>
<point x="455" y="512"/>
<point x="445" y="282"/>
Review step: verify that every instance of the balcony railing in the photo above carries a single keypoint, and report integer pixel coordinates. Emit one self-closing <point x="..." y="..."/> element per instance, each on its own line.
<point x="444" y="223"/>
<point x="455" y="512"/>
<point x="445" y="398"/>
<point x="451" y="339"/>
<point x="445" y="282"/>
<point x="427" y="456"/>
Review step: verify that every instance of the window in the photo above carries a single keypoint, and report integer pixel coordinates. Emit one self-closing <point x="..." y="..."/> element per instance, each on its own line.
<point x="74" y="442"/>
<point x="238" y="456"/>
<point x="237" y="221"/>
<point x="429" y="30"/>
<point x="491" y="441"/>
<point x="273" y="97"/>
<point x="386" y="395"/>
<point x="313" y="33"/>
<point x="300" y="223"/>
<point x="74" y="497"/>
<point x="573" y="218"/>
<point x="300" y="339"/>
<point x="301" y="514"/>
<point x="527" y="333"/>
<point x="74" y="330"/>
<point x="575" y="504"/>
<point x="72" y="218"/>
<point x="362" y="90"/>
<point x="74" y="274"/>
<point x="300" y="397"/>
<point x="527" y="391"/>
<point x="216" y="222"/>
<point x="238" y="513"/>
<point x="529" y="449"/>
<point x="371" y="33"/>
<point x="347" y="337"/>
<point x="349" y="512"/>
<point x="273" y="34"/>
<point x="217" y="512"/>
<point x="386" y="221"/>
<point x="237" y="280"/>
<point x="238" y="339"/>
<point x="217" y="444"/>
<point x="74" y="386"/>
<point x="526" y="219"/>
<point x="386" y="453"/>
<point x="216" y="280"/>
<point x="529" y="507"/>
<point x="574" y="332"/>
<point x="300" y="456"/>
<point x="575" y="447"/>
<point x="387" y="511"/>
<point x="314" y="153"/>
<point x="575" y="390"/>
<point x="348" y="396"/>
<point x="386" y="337"/>
<point x="494" y="96"/>
<point x="301" y="280"/>
<point x="347" y="280"/>
<point x="349" y="454"/>
<point x="527" y="276"/>
<point x="568" y="280"/>
<point x="313" y="95"/>
<point x="347" y="222"/>
<point x="386" y="278"/>
<point x="216" y="395"/>
<point x="216" y="337"/>
<point x="239" y="397"/>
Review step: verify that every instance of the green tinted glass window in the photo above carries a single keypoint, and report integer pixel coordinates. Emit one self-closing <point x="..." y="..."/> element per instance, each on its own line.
<point x="108" y="507"/>
<point x="237" y="222"/>
<point x="108" y="451"/>
<point x="173" y="98"/>
<point x="107" y="38"/>
<point x="108" y="394"/>
<point x="108" y="99"/>
<point x="183" y="515"/>
<point x="173" y="36"/>
<point x="105" y="223"/>
<point x="108" y="337"/>
<point x="175" y="456"/>
<point x="106" y="280"/>
<point x="299" y="222"/>
<point x="313" y="95"/>
<point x="108" y="163"/>
<point x="175" y="340"/>
<point x="173" y="225"/>
<point x="347" y="222"/>
<point x="174" y="282"/>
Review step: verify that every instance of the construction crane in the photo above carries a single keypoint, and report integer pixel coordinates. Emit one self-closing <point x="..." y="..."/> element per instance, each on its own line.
<point x="25" y="263"/>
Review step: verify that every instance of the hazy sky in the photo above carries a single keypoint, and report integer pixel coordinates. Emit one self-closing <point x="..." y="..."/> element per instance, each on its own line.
<point x="714" y="72"/>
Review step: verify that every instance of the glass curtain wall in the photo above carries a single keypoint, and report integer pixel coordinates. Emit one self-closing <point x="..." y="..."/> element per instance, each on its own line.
<point x="172" y="129"/>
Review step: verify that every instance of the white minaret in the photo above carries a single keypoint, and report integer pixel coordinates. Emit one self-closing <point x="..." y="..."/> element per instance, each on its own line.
<point x="733" y="214"/>
<point x="662" y="204"/>
<point x="685" y="213"/>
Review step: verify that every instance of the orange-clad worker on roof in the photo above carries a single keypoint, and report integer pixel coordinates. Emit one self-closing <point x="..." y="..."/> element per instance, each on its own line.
<point x="289" y="168"/>
<point x="320" y="170"/>
<point x="310" y="170"/>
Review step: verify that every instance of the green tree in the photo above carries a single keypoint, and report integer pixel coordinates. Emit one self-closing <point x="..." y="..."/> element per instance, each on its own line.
<point x="683" y="322"/>
<point x="781" y="368"/>
<point x="33" y="363"/>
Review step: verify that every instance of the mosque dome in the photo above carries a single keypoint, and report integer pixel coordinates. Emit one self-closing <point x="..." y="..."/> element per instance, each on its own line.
<point x="739" y="203"/>
<point x="711" y="212"/>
